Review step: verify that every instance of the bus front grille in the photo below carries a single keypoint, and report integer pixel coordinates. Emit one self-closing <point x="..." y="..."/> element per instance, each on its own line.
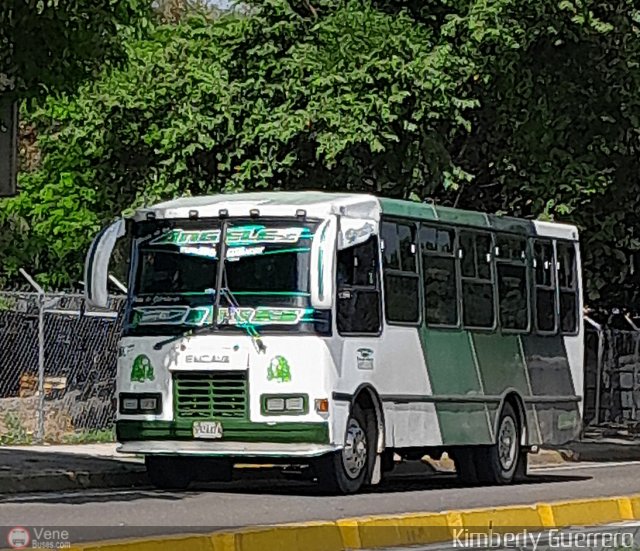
<point x="210" y="395"/>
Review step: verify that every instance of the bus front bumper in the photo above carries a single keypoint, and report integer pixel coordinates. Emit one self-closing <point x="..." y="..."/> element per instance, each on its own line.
<point x="229" y="449"/>
<point x="241" y="438"/>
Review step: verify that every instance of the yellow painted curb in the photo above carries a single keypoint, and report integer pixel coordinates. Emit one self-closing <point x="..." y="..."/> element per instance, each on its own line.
<point x="390" y="530"/>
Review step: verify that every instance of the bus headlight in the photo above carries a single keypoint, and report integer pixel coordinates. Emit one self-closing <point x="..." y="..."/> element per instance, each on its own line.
<point x="136" y="404"/>
<point x="294" y="404"/>
<point x="284" y="404"/>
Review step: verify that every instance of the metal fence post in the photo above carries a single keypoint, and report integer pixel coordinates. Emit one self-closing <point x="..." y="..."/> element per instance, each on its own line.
<point x="41" y="364"/>
<point x="41" y="358"/>
<point x="599" y="360"/>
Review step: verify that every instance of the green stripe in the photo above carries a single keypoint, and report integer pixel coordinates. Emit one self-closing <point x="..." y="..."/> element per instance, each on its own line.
<point x="452" y="370"/>
<point x="235" y="430"/>
<point x="280" y="251"/>
<point x="500" y="362"/>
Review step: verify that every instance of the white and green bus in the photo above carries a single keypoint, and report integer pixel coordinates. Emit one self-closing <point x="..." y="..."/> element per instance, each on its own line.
<point x="333" y="331"/>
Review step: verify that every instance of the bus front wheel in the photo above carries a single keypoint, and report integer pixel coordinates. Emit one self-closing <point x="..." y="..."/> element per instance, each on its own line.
<point x="347" y="470"/>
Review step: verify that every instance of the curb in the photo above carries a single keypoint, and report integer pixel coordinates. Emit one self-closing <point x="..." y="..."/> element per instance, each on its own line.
<point x="391" y="530"/>
<point x="72" y="480"/>
<point x="601" y="452"/>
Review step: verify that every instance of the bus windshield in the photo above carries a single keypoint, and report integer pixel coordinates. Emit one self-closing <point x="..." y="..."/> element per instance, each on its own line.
<point x="265" y="277"/>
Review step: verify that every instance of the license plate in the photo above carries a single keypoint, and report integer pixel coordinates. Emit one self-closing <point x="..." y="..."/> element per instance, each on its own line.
<point x="207" y="429"/>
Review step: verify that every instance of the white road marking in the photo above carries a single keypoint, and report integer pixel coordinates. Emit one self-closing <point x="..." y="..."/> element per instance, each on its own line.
<point x="579" y="466"/>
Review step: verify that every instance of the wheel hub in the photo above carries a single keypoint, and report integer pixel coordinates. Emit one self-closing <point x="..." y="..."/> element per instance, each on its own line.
<point x="354" y="453"/>
<point x="507" y="443"/>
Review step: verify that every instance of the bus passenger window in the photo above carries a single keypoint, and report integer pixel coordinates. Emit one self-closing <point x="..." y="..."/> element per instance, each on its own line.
<point x="513" y="297"/>
<point x="568" y="284"/>
<point x="545" y="295"/>
<point x="439" y="269"/>
<point x="358" y="290"/>
<point x="477" y="280"/>
<point x="401" y="280"/>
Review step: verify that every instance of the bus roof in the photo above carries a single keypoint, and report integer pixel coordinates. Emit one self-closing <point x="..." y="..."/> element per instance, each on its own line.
<point x="321" y="204"/>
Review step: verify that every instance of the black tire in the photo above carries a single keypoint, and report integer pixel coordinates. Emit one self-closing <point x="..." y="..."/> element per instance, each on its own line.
<point x="167" y="472"/>
<point x="348" y="470"/>
<point x="498" y="464"/>
<point x="465" y="462"/>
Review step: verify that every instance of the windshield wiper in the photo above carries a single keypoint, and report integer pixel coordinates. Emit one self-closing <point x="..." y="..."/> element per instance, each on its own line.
<point x="188" y="333"/>
<point x="249" y="327"/>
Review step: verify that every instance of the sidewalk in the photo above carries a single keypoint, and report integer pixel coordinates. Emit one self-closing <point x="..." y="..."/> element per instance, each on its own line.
<point x="67" y="467"/>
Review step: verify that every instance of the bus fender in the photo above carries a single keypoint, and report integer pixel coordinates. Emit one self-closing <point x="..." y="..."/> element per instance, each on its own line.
<point x="513" y="396"/>
<point x="367" y="395"/>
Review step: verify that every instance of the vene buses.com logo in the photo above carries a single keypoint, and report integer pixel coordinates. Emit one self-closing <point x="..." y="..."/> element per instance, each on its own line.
<point x="18" y="538"/>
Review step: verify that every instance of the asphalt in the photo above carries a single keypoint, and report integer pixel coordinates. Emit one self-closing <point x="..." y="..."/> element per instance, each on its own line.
<point x="90" y="466"/>
<point x="254" y="499"/>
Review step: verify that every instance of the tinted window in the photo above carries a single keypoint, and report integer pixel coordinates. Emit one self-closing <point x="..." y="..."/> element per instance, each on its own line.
<point x="545" y="295"/>
<point x="401" y="298"/>
<point x="477" y="279"/>
<point x="512" y="283"/>
<point x="439" y="269"/>
<point x="358" y="300"/>
<point x="568" y="283"/>
<point x="401" y="280"/>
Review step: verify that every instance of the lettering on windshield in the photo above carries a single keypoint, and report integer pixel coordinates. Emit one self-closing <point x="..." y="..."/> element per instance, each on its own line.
<point x="232" y="254"/>
<point x="241" y="235"/>
<point x="202" y="315"/>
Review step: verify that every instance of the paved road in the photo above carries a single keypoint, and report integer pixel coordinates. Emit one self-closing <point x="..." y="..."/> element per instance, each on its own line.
<point x="256" y="501"/>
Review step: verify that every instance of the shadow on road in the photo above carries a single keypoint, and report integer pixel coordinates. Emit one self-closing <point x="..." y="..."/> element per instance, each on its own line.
<point x="38" y="477"/>
<point x="275" y="484"/>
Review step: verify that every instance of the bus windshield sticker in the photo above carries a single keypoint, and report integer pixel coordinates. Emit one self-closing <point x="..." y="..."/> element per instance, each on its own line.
<point x="233" y="253"/>
<point x="354" y="231"/>
<point x="241" y="235"/>
<point x="201" y="315"/>
<point x="142" y="370"/>
<point x="365" y="358"/>
<point x="279" y="370"/>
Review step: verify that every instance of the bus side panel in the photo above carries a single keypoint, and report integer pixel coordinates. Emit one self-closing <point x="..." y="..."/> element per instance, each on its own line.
<point x="457" y="387"/>
<point x="552" y="367"/>
<point x="394" y="367"/>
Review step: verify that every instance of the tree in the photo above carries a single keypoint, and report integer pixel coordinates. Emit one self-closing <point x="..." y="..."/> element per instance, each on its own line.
<point x="504" y="106"/>
<point x="52" y="44"/>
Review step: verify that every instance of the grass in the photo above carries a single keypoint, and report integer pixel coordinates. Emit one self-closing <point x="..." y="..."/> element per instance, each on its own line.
<point x="90" y="436"/>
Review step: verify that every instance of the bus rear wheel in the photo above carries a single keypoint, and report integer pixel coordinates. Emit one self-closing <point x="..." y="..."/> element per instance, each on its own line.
<point x="347" y="470"/>
<point x="502" y="461"/>
<point x="168" y="472"/>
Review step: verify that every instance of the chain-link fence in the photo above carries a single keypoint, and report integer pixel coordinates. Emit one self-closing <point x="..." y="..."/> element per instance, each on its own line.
<point x="612" y="381"/>
<point x="58" y="364"/>
<point x="57" y="368"/>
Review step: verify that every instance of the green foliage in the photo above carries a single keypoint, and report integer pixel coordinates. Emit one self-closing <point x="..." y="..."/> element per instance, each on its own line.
<point x="15" y="433"/>
<point x="529" y="107"/>
<point x="90" y="436"/>
<point x="51" y="44"/>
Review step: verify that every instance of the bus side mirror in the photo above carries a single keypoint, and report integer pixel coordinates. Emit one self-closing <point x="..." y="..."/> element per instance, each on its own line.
<point x="96" y="268"/>
<point x="322" y="265"/>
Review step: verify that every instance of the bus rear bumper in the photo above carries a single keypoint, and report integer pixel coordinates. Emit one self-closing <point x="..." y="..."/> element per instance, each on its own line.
<point x="231" y="449"/>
